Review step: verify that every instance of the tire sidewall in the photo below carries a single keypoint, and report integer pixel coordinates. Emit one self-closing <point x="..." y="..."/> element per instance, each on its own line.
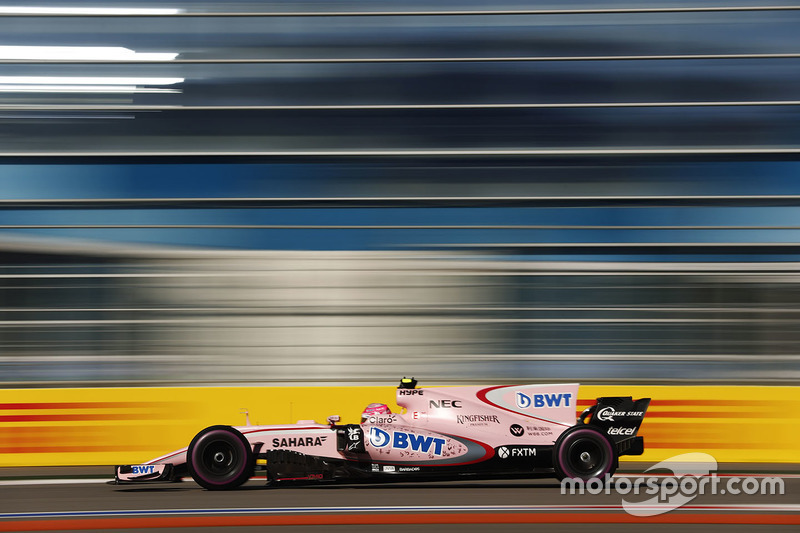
<point x="244" y="464"/>
<point x="561" y="449"/>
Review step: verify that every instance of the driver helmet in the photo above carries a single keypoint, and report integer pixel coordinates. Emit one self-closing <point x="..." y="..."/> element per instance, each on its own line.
<point x="375" y="409"/>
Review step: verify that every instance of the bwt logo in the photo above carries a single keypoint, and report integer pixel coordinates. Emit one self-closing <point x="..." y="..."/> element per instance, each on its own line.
<point x="401" y="440"/>
<point x="144" y="469"/>
<point x="542" y="400"/>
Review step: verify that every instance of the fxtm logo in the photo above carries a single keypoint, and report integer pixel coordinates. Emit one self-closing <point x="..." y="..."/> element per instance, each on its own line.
<point x="401" y="440"/>
<point x="542" y="400"/>
<point x="504" y="452"/>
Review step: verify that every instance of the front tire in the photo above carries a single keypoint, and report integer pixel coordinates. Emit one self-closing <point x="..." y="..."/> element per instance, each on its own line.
<point x="583" y="453"/>
<point x="220" y="458"/>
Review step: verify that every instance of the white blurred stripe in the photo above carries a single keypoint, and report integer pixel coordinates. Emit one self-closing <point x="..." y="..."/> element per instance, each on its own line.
<point x="113" y="11"/>
<point x="122" y="89"/>
<point x="80" y="53"/>
<point x="91" y="11"/>
<point x="88" y="80"/>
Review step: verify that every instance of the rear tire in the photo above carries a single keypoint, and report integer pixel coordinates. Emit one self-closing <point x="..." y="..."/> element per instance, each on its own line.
<point x="583" y="453"/>
<point x="220" y="458"/>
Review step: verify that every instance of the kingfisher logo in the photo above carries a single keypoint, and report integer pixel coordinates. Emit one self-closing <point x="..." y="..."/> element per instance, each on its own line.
<point x="543" y="400"/>
<point x="400" y="440"/>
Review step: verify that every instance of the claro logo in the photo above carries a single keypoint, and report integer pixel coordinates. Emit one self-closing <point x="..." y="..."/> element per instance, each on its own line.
<point x="543" y="400"/>
<point x="400" y="440"/>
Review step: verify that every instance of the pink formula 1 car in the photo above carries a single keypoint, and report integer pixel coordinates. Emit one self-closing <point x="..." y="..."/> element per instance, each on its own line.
<point x="444" y="433"/>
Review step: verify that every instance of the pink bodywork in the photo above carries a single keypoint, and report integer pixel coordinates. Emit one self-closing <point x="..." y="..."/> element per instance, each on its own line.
<point x="439" y="426"/>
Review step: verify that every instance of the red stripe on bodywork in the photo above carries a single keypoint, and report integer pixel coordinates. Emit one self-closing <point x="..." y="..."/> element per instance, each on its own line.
<point x="489" y="451"/>
<point x="482" y="397"/>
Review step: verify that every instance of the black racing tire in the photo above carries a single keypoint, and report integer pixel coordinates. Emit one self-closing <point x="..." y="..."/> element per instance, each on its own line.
<point x="583" y="452"/>
<point x="220" y="458"/>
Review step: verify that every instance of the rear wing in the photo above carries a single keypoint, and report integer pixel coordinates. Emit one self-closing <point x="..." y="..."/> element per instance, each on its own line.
<point x="619" y="418"/>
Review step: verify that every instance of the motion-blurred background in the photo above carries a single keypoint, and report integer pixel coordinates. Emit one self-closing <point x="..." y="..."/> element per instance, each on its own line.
<point x="351" y="191"/>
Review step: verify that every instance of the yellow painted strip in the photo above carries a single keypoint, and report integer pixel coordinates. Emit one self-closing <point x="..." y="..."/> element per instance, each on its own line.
<point x="40" y="427"/>
<point x="743" y="424"/>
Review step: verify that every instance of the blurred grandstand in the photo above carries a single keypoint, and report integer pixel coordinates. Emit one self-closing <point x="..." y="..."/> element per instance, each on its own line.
<point x="321" y="192"/>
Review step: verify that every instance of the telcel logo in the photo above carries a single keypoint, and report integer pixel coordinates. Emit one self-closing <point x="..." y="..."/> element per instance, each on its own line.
<point x="543" y="400"/>
<point x="400" y="440"/>
<point x="144" y="469"/>
<point x="621" y="431"/>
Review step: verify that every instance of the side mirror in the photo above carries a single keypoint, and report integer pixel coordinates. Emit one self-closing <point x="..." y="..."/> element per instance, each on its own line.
<point x="333" y="419"/>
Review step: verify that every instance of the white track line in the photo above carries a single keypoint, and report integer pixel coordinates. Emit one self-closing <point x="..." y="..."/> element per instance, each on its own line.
<point x="20" y="482"/>
<point x="790" y="508"/>
<point x="89" y="481"/>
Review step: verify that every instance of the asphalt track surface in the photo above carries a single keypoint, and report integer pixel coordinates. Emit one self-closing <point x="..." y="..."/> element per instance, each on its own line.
<point x="38" y="502"/>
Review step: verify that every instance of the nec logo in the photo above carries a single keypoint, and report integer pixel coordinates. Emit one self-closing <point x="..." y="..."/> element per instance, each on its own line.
<point x="145" y="469"/>
<point x="542" y="400"/>
<point x="445" y="404"/>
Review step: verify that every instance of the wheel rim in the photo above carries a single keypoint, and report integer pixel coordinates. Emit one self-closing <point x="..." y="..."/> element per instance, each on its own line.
<point x="586" y="457"/>
<point x="219" y="458"/>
